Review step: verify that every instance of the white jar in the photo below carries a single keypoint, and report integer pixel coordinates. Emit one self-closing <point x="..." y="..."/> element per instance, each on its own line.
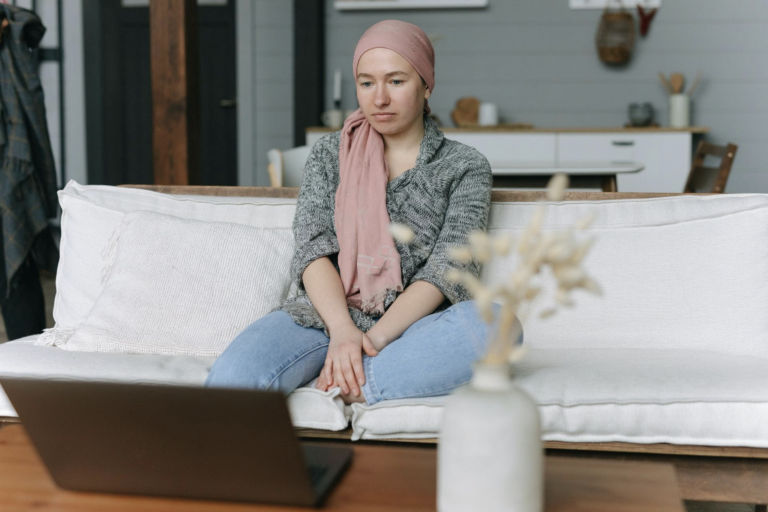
<point x="490" y="455"/>
<point x="679" y="110"/>
<point x="488" y="114"/>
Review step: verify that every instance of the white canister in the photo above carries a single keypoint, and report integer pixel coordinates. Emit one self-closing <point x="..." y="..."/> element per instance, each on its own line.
<point x="488" y="114"/>
<point x="490" y="455"/>
<point x="332" y="118"/>
<point x="679" y="110"/>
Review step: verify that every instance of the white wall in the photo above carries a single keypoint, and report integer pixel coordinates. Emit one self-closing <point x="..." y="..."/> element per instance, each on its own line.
<point x="74" y="156"/>
<point x="74" y="92"/>
<point x="537" y="60"/>
<point x="265" y="75"/>
<point x="264" y="81"/>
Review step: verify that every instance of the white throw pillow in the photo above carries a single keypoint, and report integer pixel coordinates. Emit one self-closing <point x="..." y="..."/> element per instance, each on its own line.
<point x="684" y="272"/>
<point x="312" y="408"/>
<point x="90" y="214"/>
<point x="408" y="418"/>
<point x="183" y="287"/>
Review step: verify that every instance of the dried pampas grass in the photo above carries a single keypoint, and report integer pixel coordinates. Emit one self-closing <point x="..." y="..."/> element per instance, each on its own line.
<point x="560" y="251"/>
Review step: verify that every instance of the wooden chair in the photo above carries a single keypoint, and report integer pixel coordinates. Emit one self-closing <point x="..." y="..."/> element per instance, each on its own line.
<point x="710" y="179"/>
<point x="286" y="168"/>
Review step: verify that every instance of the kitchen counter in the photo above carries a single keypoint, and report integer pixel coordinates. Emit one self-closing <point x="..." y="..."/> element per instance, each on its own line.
<point x="654" y="159"/>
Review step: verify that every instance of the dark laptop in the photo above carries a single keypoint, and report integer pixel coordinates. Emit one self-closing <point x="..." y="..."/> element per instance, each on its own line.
<point x="179" y="441"/>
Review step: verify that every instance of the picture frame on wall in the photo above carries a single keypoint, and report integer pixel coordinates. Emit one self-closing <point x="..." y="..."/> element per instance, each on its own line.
<point x="349" y="5"/>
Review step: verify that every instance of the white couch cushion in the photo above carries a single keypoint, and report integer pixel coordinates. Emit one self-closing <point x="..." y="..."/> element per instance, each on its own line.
<point x="183" y="287"/>
<point x="588" y="392"/>
<point x="309" y="407"/>
<point x="627" y="395"/>
<point x="90" y="214"/>
<point x="676" y="272"/>
<point x="642" y="396"/>
<point x="673" y="352"/>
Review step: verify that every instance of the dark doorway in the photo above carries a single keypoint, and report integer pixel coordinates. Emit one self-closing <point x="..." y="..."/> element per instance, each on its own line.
<point x="119" y="94"/>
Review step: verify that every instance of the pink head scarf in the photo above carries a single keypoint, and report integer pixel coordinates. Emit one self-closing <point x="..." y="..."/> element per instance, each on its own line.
<point x="406" y="39"/>
<point x="369" y="262"/>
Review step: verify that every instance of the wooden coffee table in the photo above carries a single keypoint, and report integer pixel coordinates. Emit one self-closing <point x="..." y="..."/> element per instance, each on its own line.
<point x="381" y="478"/>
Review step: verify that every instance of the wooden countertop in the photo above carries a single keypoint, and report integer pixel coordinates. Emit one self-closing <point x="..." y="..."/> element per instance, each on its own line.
<point x="502" y="128"/>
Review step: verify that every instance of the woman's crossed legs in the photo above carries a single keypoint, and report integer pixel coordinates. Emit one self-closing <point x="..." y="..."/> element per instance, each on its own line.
<point x="432" y="357"/>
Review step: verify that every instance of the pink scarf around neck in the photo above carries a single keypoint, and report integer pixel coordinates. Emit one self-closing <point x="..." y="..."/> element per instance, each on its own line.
<point x="369" y="262"/>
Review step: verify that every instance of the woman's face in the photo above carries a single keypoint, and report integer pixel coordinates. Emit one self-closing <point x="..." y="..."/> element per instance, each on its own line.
<point x="387" y="83"/>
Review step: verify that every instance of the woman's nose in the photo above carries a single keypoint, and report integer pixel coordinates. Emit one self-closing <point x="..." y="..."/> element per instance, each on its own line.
<point x="381" y="97"/>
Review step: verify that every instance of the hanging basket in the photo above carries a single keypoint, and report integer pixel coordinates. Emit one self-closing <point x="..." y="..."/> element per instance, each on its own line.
<point x="616" y="37"/>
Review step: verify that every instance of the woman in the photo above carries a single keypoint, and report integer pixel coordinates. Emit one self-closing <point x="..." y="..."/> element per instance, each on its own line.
<point x="373" y="316"/>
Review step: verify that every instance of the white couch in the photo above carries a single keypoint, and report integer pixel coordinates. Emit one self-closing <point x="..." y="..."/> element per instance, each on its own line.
<point x="673" y="352"/>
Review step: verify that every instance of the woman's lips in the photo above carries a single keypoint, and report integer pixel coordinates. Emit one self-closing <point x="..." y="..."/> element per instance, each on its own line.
<point x="383" y="117"/>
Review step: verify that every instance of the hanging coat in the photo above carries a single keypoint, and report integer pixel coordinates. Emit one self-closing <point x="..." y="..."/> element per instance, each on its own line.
<point x="27" y="172"/>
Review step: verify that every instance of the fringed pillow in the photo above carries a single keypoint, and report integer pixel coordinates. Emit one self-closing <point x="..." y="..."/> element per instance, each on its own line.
<point x="181" y="287"/>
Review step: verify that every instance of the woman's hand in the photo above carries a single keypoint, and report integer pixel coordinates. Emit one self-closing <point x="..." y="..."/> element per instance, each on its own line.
<point x="344" y="361"/>
<point x="378" y="339"/>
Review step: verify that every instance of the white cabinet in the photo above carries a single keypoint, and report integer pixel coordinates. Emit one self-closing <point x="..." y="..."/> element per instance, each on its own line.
<point x="667" y="159"/>
<point x="581" y="148"/>
<point x="665" y="155"/>
<point x="504" y="150"/>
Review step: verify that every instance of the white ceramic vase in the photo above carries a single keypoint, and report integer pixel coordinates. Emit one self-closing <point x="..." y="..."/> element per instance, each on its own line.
<point x="490" y="454"/>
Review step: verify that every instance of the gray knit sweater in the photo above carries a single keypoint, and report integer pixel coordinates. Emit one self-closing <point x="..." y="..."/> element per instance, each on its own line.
<point x="443" y="198"/>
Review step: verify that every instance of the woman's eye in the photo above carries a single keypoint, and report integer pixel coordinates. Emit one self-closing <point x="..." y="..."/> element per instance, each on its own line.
<point x="366" y="84"/>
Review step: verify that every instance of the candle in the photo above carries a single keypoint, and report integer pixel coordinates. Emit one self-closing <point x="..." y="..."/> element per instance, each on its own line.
<point x="337" y="85"/>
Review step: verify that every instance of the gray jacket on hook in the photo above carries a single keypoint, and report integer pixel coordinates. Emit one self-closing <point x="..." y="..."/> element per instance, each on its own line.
<point x="27" y="173"/>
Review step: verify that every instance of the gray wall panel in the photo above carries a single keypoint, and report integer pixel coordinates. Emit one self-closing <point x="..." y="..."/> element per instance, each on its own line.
<point x="536" y="59"/>
<point x="272" y="55"/>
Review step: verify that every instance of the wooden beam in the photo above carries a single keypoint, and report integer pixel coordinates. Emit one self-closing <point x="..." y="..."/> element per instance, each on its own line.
<point x="175" y="92"/>
<point x="514" y="196"/>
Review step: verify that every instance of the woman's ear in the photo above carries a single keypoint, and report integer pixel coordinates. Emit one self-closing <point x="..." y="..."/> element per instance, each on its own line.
<point x="427" y="94"/>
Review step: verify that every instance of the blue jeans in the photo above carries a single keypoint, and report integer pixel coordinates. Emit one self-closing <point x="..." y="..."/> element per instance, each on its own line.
<point x="432" y="357"/>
